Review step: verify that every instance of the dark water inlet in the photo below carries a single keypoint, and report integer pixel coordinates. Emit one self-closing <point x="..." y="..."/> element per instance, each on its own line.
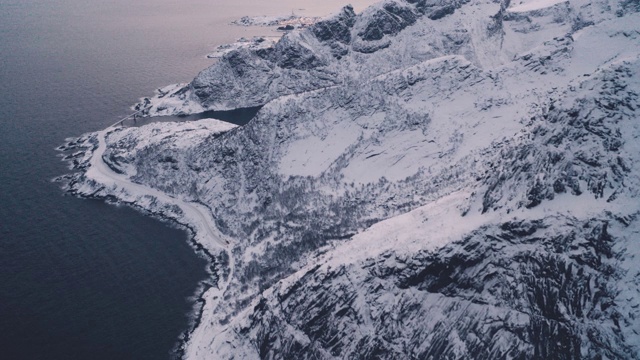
<point x="238" y="117"/>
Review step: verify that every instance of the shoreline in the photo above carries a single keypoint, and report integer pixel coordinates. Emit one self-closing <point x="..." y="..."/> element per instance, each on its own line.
<point x="199" y="300"/>
<point x="82" y="184"/>
<point x="91" y="182"/>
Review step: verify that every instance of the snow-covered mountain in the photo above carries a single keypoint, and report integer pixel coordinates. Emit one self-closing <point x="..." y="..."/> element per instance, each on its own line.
<point x="426" y="179"/>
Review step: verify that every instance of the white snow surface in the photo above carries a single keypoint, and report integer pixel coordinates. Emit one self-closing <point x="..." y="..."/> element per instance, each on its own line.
<point x="171" y="105"/>
<point x="103" y="178"/>
<point x="454" y="125"/>
<point x="256" y="43"/>
<point x="531" y="5"/>
<point x="264" y="20"/>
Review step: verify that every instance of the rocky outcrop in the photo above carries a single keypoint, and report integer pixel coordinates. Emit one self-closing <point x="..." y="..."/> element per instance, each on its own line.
<point x="337" y="28"/>
<point x="572" y="146"/>
<point x="389" y="19"/>
<point x="303" y="60"/>
<point x="521" y="289"/>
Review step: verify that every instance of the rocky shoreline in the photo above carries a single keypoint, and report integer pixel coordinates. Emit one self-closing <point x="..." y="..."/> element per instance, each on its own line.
<point x="79" y="152"/>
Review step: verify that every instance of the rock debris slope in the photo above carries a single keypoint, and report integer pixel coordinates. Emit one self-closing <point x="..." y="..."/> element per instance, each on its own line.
<point x="426" y="179"/>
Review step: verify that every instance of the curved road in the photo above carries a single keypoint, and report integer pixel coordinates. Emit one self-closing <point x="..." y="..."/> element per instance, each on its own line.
<point x="196" y="215"/>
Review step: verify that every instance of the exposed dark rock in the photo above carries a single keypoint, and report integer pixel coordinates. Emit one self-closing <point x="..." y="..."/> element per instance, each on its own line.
<point x="290" y="54"/>
<point x="592" y="124"/>
<point x="525" y="290"/>
<point x="337" y="28"/>
<point x="441" y="12"/>
<point x="390" y="19"/>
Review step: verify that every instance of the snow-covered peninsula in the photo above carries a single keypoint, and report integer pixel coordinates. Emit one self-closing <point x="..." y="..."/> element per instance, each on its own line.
<point x="425" y="179"/>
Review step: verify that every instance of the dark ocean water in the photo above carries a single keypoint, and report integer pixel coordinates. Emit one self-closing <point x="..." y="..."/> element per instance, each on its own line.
<point x="81" y="279"/>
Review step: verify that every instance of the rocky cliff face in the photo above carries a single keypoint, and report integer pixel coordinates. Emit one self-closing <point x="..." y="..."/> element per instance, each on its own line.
<point x="326" y="54"/>
<point x="520" y="289"/>
<point x="426" y="179"/>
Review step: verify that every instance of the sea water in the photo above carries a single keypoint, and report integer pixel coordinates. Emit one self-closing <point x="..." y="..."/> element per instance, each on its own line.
<point x="82" y="279"/>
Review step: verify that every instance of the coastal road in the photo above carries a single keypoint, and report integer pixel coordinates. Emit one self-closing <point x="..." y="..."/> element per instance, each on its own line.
<point x="196" y="215"/>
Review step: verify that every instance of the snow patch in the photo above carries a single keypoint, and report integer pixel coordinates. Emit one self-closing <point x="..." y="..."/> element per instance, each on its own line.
<point x="532" y="5"/>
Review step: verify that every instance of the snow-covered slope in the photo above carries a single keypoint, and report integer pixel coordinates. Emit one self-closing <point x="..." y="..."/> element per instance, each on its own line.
<point x="426" y="179"/>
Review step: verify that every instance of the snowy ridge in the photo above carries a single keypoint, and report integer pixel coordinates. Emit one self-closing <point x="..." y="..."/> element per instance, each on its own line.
<point x="256" y="43"/>
<point x="424" y="180"/>
<point x="293" y="20"/>
<point x="357" y="47"/>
